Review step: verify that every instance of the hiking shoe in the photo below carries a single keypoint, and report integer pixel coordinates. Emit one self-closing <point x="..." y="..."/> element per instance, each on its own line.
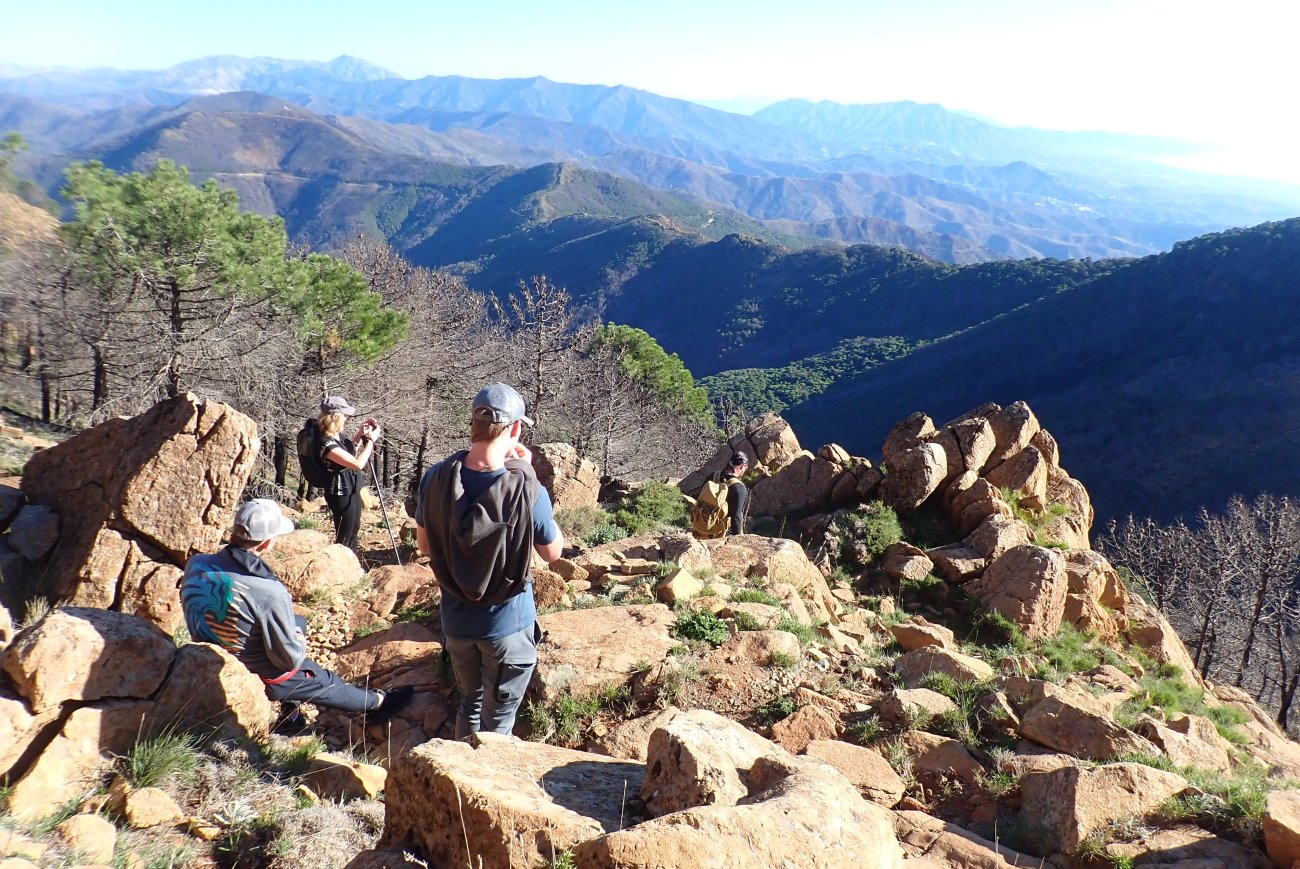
<point x="394" y="702"/>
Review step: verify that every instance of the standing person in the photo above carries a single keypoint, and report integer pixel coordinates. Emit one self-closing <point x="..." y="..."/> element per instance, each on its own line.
<point x="719" y="508"/>
<point x="233" y="599"/>
<point x="480" y="515"/>
<point x="346" y="460"/>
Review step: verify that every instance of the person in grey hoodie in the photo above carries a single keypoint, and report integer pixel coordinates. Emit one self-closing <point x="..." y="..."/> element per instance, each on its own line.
<point x="232" y="599"/>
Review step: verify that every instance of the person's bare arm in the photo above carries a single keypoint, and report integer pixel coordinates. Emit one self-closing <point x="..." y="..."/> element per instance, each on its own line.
<point x="550" y="551"/>
<point x="422" y="540"/>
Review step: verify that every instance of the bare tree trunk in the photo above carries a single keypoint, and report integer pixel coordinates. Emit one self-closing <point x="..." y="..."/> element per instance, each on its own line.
<point x="280" y="459"/>
<point x="99" y="392"/>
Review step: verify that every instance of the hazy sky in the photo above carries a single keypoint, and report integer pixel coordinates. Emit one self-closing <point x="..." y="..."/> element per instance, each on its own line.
<point x="1223" y="73"/>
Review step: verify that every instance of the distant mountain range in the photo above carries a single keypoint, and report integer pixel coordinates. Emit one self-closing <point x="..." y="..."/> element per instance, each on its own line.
<point x="819" y="171"/>
<point x="737" y="242"/>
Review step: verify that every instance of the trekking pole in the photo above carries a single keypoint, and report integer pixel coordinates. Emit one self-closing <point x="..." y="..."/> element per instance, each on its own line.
<point x="379" y="493"/>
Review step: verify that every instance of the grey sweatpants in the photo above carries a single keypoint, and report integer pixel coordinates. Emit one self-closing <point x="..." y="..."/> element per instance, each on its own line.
<point x="492" y="676"/>
<point x="314" y="684"/>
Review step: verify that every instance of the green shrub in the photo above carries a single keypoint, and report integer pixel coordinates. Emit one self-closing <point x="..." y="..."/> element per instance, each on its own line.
<point x="745" y="622"/>
<point x="294" y="758"/>
<point x="865" y="730"/>
<point x="601" y="534"/>
<point x="651" y="506"/>
<point x="697" y="624"/>
<point x="306" y="520"/>
<point x="578" y="522"/>
<point x="864" y="534"/>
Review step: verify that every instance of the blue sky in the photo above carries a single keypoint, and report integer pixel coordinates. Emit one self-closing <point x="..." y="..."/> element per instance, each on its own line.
<point x="1221" y="73"/>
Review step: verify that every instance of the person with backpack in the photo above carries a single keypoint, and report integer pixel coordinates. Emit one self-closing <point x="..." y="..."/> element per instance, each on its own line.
<point x="234" y="600"/>
<point x="719" y="508"/>
<point x="480" y="515"/>
<point x="336" y="463"/>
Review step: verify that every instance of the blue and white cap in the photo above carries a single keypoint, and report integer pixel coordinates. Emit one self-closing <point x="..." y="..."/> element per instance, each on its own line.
<point x="499" y="403"/>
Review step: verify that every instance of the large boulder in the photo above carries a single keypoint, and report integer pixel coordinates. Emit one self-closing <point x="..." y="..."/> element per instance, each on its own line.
<point x="798" y="815"/>
<point x="1027" y="585"/>
<point x="1069" y="803"/>
<point x="949" y="846"/>
<point x="137" y="497"/>
<point x="1025" y="474"/>
<point x="70" y="766"/>
<point x="628" y="740"/>
<point x="1282" y="827"/>
<point x="405" y="654"/>
<point x="914" y="475"/>
<point x="870" y="773"/>
<point x="1067" y="726"/>
<point x="498" y="801"/>
<point x="806" y="483"/>
<point x="769" y="561"/>
<point x="571" y="480"/>
<point x="1014" y="427"/>
<point x="87" y="654"/>
<point x="914" y="666"/>
<point x="585" y="649"/>
<point x="208" y="690"/>
<point x="1148" y="629"/>
<point x="700" y="758"/>
<point x="327" y="572"/>
<point x="34" y="531"/>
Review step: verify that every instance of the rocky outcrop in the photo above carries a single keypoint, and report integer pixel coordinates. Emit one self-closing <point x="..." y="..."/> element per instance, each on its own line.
<point x="502" y="801"/>
<point x="208" y="690"/>
<point x="138" y="496"/>
<point x="1026" y="584"/>
<point x="571" y="480"/>
<point x="769" y="442"/>
<point x="870" y="773"/>
<point x="1066" y="726"/>
<point x="1071" y="802"/>
<point x="332" y="569"/>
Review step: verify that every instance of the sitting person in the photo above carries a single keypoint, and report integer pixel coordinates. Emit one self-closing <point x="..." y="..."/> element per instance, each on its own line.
<point x="232" y="599"/>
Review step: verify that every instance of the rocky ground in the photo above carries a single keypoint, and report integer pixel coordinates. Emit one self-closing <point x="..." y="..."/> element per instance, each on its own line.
<point x="942" y="673"/>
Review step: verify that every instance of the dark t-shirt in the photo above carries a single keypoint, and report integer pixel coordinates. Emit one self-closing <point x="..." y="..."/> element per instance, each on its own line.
<point x="737" y="503"/>
<point x="346" y="481"/>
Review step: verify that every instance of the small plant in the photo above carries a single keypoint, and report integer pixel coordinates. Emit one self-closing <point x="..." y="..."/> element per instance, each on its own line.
<point x="866" y="730"/>
<point x="665" y="568"/>
<point x="169" y="756"/>
<point x="784" y="661"/>
<point x="754" y="595"/>
<point x="697" y="624"/>
<point x="306" y="521"/>
<point x="181" y="636"/>
<point x="416" y="613"/>
<point x="564" y="861"/>
<point x="791" y="625"/>
<point x="34" y="610"/>
<point x="745" y="622"/>
<point x="295" y="758"/>
<point x="672" y="687"/>
<point x="641" y="666"/>
<point x="568" y="718"/>
<point x="578" y="522"/>
<point x="777" y="709"/>
<point x="368" y="629"/>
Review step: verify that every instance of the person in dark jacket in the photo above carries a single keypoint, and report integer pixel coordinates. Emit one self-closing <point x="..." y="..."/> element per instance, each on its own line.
<point x="737" y="492"/>
<point x="480" y="515"/>
<point x="232" y="599"/>
<point x="348" y="459"/>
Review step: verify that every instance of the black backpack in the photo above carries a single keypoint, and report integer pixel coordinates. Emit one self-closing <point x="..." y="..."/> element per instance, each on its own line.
<point x="315" y="470"/>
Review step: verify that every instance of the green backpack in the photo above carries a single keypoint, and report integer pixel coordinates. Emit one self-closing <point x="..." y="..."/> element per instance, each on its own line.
<point x="709" y="517"/>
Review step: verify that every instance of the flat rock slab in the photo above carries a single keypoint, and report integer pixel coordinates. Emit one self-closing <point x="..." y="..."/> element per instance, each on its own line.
<point x="516" y="803"/>
<point x="585" y="649"/>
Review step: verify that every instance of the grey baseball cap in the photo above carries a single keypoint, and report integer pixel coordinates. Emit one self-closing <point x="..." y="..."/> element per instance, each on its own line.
<point x="337" y="404"/>
<point x="261" y="519"/>
<point x="499" y="403"/>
